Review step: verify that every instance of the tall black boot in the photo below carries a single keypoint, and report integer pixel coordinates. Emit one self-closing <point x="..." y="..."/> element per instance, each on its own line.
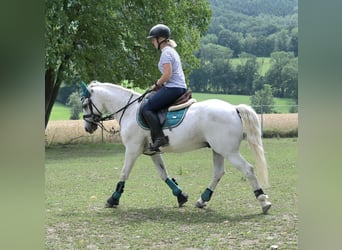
<point x="158" y="137"/>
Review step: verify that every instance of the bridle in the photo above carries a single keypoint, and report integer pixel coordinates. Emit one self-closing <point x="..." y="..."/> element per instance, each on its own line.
<point x="97" y="119"/>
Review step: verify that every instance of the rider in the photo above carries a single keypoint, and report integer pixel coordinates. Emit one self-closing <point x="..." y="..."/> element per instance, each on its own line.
<point x="169" y="87"/>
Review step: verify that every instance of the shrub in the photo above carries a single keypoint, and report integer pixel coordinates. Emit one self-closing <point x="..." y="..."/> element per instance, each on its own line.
<point x="75" y="104"/>
<point x="262" y="101"/>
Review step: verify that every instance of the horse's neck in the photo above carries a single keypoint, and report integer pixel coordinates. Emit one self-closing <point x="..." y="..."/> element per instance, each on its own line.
<point x="115" y="98"/>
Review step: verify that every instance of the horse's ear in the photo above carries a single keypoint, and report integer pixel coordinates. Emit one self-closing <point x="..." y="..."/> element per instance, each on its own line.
<point x="85" y="91"/>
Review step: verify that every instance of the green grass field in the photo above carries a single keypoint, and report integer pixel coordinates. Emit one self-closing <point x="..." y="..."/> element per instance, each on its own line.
<point x="60" y="112"/>
<point x="80" y="178"/>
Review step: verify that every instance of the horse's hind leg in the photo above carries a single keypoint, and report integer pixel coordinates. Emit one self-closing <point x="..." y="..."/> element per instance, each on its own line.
<point x="173" y="185"/>
<point x="218" y="161"/>
<point x="240" y="163"/>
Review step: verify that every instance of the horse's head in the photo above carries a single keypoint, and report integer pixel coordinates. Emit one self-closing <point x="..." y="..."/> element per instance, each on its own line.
<point x="90" y="105"/>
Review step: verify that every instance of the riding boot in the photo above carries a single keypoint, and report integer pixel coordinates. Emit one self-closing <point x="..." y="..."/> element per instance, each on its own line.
<point x="158" y="137"/>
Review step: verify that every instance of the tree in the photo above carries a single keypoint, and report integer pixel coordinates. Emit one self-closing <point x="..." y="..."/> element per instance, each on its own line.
<point x="87" y="39"/>
<point x="262" y="101"/>
<point x="213" y="72"/>
<point x="289" y="76"/>
<point x="211" y="52"/>
<point x="231" y="40"/>
<point x="274" y="75"/>
<point x="246" y="73"/>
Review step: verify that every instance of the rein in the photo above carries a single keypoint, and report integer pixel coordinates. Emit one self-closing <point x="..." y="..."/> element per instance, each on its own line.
<point x="98" y="119"/>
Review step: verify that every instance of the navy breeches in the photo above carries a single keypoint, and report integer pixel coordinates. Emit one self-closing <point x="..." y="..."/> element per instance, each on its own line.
<point x="163" y="98"/>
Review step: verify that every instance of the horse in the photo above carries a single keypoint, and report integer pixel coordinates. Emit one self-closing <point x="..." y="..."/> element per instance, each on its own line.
<point x="212" y="123"/>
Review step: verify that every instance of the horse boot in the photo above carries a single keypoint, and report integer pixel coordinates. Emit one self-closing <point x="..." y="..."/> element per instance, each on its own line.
<point x="158" y="137"/>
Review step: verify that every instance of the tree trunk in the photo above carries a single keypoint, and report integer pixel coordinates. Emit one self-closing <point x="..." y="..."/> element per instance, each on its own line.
<point x="51" y="91"/>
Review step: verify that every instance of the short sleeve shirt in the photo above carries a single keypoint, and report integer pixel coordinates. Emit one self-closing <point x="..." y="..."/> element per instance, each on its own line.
<point x="170" y="55"/>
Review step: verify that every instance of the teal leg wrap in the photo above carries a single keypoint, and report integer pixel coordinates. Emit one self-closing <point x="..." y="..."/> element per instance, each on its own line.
<point x="174" y="187"/>
<point x="206" y="195"/>
<point x="119" y="190"/>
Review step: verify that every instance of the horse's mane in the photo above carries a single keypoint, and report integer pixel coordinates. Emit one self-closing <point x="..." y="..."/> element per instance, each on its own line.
<point x="97" y="83"/>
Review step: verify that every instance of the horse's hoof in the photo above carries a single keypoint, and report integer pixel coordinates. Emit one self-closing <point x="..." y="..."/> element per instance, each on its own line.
<point x="200" y="204"/>
<point x="111" y="202"/>
<point x="182" y="199"/>
<point x="266" y="208"/>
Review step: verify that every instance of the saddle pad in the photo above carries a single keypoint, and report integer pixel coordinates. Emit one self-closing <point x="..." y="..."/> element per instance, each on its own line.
<point x="173" y="119"/>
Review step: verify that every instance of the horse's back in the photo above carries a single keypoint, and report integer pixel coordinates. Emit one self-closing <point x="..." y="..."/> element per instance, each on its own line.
<point x="211" y="122"/>
<point x="215" y="109"/>
<point x="213" y="114"/>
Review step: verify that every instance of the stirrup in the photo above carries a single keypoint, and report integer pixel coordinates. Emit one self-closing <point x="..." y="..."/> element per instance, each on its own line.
<point x="159" y="142"/>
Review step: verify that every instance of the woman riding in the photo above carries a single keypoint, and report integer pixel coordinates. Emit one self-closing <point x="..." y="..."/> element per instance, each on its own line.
<point x="169" y="87"/>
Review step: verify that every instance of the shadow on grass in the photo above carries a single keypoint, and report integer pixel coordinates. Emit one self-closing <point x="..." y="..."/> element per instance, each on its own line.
<point x="190" y="215"/>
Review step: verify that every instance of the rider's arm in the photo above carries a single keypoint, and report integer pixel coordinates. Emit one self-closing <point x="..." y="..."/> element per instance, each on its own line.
<point x="167" y="72"/>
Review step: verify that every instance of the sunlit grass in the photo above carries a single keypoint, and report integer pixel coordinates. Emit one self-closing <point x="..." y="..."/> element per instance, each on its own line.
<point x="79" y="179"/>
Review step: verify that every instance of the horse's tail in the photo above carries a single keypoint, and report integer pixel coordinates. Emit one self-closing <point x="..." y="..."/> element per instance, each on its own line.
<point x="252" y="128"/>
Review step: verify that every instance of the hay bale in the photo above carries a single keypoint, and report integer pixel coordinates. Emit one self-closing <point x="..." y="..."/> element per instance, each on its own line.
<point x="280" y="125"/>
<point x="72" y="132"/>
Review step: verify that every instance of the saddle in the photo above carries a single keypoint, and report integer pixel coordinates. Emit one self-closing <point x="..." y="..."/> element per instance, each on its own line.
<point x="172" y="116"/>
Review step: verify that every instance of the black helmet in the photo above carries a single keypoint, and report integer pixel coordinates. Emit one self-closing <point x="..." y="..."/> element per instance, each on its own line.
<point x="160" y="30"/>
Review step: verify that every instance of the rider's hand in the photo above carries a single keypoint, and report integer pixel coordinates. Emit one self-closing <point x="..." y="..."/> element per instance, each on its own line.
<point x="155" y="86"/>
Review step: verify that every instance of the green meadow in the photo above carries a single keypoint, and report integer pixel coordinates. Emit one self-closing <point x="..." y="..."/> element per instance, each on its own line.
<point x="80" y="178"/>
<point x="60" y="112"/>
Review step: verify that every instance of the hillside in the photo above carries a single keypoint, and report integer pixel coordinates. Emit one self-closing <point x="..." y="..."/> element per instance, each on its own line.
<point x="258" y="27"/>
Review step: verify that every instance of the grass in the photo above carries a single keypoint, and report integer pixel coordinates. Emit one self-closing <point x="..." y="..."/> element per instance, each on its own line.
<point x="60" y="112"/>
<point x="79" y="179"/>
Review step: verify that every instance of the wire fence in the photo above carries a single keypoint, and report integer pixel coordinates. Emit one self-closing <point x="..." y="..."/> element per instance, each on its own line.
<point x="276" y="109"/>
<point x="281" y="123"/>
<point x="278" y="120"/>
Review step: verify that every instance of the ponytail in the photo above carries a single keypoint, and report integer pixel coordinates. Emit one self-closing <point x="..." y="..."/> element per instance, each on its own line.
<point x="171" y="43"/>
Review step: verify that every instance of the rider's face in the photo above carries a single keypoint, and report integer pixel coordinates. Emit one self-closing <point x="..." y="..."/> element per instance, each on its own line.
<point x="155" y="42"/>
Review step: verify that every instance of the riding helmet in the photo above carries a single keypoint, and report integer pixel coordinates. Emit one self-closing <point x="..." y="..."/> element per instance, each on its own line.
<point x="159" y="30"/>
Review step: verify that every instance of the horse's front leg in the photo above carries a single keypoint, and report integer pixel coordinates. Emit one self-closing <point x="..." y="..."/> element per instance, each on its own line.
<point x="182" y="197"/>
<point x="130" y="158"/>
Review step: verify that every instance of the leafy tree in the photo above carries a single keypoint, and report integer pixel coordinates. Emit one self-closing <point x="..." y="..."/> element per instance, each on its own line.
<point x="231" y="40"/>
<point x="209" y="38"/>
<point x="289" y="76"/>
<point x="257" y="20"/>
<point x="75" y="105"/>
<point x="214" y="71"/>
<point x="293" y="46"/>
<point x="262" y="101"/>
<point x="245" y="75"/>
<point x="106" y="40"/>
<point x="211" y="52"/>
<point x="64" y="92"/>
<point x="275" y="76"/>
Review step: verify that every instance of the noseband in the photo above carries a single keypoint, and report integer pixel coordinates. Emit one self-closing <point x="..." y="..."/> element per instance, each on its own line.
<point x="97" y="119"/>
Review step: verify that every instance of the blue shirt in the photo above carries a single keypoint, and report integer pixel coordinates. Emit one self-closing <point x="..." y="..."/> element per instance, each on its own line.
<point x="177" y="79"/>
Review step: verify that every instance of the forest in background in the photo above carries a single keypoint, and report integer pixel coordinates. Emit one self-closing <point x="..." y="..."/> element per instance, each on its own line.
<point x="248" y="30"/>
<point x="246" y="46"/>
